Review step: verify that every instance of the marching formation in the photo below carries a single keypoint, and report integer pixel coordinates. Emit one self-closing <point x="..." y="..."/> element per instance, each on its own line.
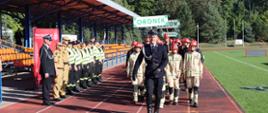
<point x="163" y="69"/>
<point x="73" y="66"/>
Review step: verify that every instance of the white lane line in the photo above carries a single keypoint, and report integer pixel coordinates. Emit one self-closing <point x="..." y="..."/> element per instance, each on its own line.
<point x="105" y="99"/>
<point x="242" y="62"/>
<point x="227" y="95"/>
<point x="46" y="108"/>
<point x="141" y="107"/>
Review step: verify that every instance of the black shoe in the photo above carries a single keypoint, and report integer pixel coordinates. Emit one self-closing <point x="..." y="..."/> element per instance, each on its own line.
<point x="149" y="110"/>
<point x="156" y="110"/>
<point x="89" y="84"/>
<point x="57" y="99"/>
<point x="70" y="92"/>
<point x="48" y="103"/>
<point x="175" y="103"/>
<point x="77" y="90"/>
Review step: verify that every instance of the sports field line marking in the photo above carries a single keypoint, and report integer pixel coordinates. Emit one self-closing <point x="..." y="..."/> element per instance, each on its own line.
<point x="242" y="62"/>
<point x="105" y="99"/>
<point x="46" y="108"/>
<point x="225" y="93"/>
<point x="141" y="107"/>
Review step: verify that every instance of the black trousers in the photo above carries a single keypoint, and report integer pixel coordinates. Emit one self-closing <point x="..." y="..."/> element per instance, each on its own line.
<point x="78" y="73"/>
<point x="90" y="69"/>
<point x="46" y="86"/>
<point x="154" y="86"/>
<point x="72" y="75"/>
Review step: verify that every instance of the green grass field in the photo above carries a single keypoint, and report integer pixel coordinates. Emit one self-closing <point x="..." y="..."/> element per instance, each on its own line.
<point x="234" y="71"/>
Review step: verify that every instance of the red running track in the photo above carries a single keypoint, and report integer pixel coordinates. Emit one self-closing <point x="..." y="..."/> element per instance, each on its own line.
<point x="114" y="96"/>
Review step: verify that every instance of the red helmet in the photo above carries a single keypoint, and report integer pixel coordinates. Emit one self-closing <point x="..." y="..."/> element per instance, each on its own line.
<point x="139" y="45"/>
<point x="193" y="43"/>
<point x="166" y="36"/>
<point x="178" y="41"/>
<point x="134" y="43"/>
<point x="186" y="40"/>
<point x="174" y="47"/>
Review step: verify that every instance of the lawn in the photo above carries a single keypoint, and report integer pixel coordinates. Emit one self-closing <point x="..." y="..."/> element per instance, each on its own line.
<point x="233" y="70"/>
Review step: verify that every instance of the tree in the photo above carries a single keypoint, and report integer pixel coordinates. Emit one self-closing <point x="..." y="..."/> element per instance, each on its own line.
<point x="260" y="27"/>
<point x="213" y="29"/>
<point x="187" y="26"/>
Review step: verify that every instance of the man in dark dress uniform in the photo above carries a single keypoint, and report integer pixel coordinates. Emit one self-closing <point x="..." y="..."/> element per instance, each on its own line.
<point x="156" y="58"/>
<point x="47" y="69"/>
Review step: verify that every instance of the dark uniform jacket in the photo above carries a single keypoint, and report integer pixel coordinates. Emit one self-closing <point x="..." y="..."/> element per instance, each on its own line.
<point x="46" y="61"/>
<point x="156" y="59"/>
<point x="128" y="55"/>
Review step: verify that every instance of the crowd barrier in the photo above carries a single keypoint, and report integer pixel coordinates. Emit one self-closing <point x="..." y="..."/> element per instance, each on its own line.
<point x="114" y="58"/>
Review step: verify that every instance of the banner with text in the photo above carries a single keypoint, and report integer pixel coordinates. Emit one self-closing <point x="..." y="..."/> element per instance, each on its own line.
<point x="150" y="21"/>
<point x="39" y="33"/>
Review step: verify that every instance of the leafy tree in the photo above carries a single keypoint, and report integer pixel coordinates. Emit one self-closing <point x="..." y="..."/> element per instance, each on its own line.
<point x="187" y="26"/>
<point x="213" y="29"/>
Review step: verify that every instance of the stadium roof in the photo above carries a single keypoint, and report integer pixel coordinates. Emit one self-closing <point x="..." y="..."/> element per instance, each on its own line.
<point x="91" y="11"/>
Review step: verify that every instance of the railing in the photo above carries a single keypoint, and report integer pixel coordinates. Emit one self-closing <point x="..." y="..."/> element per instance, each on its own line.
<point x="114" y="58"/>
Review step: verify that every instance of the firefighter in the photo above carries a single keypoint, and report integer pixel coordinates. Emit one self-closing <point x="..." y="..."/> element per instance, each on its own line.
<point x="66" y="66"/>
<point x="84" y="66"/>
<point x="71" y="60"/>
<point x="138" y="83"/>
<point x="78" y="68"/>
<point x="133" y="44"/>
<point x="59" y="66"/>
<point x="193" y="68"/>
<point x="91" y="64"/>
<point x="173" y="72"/>
<point x="95" y="53"/>
<point x="100" y="59"/>
<point x="182" y="51"/>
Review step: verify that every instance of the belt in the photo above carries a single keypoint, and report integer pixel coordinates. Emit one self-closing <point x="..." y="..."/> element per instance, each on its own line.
<point x="60" y="68"/>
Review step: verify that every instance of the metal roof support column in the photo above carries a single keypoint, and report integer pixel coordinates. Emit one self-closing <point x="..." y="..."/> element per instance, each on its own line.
<point x="1" y="26"/>
<point x="95" y="31"/>
<point x="59" y="23"/>
<point x="123" y="35"/>
<point x="27" y="27"/>
<point x="107" y="35"/>
<point x="80" y="30"/>
<point x="115" y="34"/>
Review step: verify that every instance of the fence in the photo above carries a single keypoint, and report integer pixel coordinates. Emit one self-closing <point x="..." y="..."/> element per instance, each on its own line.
<point x="114" y="58"/>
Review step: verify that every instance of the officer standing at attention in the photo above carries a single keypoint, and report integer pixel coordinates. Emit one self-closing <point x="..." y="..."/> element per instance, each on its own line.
<point x="71" y="60"/>
<point x="96" y="67"/>
<point x="156" y="58"/>
<point x="100" y="59"/>
<point x="91" y="64"/>
<point x="58" y="86"/>
<point x="47" y="69"/>
<point x="66" y="69"/>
